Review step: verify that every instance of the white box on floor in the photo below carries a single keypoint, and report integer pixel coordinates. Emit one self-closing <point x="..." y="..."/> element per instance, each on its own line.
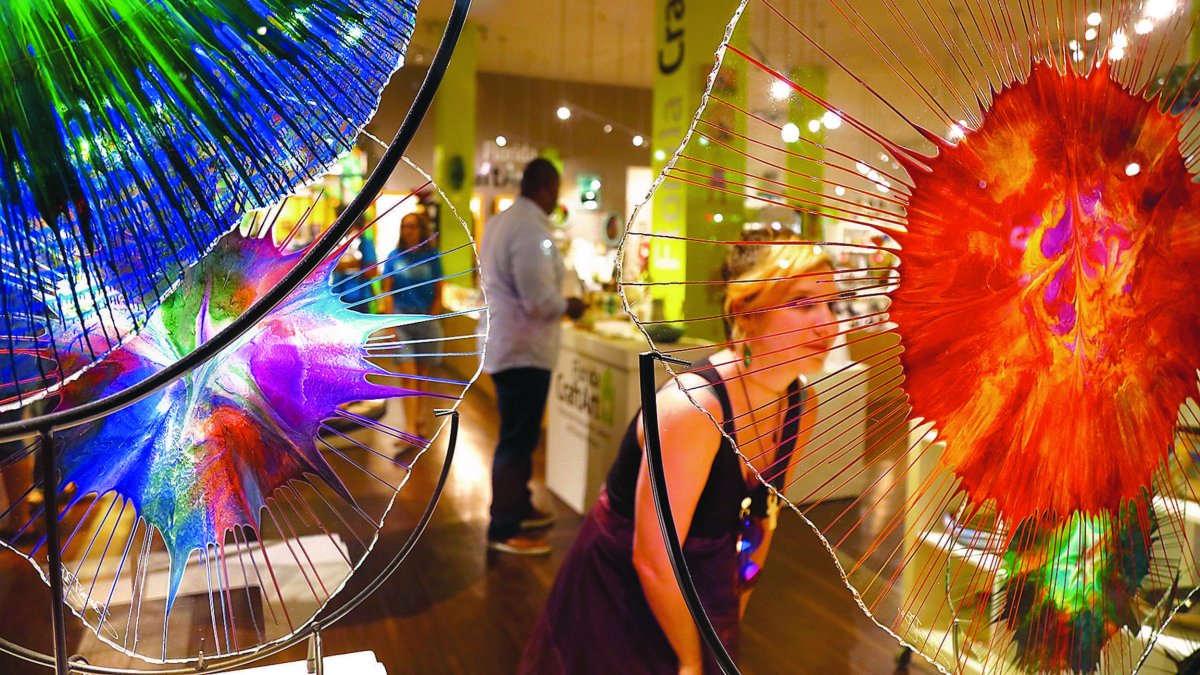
<point x="357" y="663"/>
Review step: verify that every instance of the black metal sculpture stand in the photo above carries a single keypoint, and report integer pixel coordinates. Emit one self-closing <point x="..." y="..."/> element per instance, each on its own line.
<point x="53" y="552"/>
<point x="44" y="426"/>
<point x="315" y="665"/>
<point x="666" y="521"/>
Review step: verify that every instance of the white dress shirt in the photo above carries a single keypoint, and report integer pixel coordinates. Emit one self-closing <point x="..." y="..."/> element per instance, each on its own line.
<point x="522" y="274"/>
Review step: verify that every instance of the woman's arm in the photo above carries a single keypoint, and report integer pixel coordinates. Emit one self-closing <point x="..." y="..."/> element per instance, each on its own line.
<point x="689" y="445"/>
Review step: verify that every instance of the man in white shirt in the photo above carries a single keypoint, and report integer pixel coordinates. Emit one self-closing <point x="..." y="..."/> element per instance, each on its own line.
<point x="522" y="275"/>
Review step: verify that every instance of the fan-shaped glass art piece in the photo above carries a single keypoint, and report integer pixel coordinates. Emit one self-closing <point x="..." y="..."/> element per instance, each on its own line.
<point x="136" y="133"/>
<point x="1000" y="325"/>
<point x="224" y="511"/>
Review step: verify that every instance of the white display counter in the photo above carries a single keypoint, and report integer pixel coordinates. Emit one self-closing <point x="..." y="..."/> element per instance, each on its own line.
<point x="595" y="392"/>
<point x="832" y="467"/>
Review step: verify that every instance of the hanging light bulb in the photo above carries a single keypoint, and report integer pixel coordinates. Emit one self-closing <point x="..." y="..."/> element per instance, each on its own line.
<point x="563" y="112"/>
<point x="1159" y="9"/>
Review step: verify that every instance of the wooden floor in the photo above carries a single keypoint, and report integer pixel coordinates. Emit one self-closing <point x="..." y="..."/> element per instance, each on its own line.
<point x="454" y="608"/>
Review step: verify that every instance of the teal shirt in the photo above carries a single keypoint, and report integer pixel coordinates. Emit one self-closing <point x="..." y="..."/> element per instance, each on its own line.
<point x="414" y="276"/>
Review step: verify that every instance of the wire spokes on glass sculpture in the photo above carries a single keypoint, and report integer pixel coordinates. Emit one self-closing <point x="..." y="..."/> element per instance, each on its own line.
<point x="136" y="133"/>
<point x="998" y="461"/>
<point x="227" y="509"/>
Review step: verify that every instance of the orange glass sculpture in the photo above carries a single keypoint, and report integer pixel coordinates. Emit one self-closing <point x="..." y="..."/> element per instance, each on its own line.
<point x="1004" y="466"/>
<point x="1049" y="259"/>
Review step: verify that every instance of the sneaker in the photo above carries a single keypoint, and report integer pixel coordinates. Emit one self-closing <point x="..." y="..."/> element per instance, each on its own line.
<point x="520" y="545"/>
<point x="537" y="518"/>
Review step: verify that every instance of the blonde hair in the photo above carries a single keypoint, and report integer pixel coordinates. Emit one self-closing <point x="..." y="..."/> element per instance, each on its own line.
<point x="759" y="274"/>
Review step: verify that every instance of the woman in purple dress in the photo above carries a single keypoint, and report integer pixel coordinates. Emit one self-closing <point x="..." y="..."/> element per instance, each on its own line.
<point x="615" y="606"/>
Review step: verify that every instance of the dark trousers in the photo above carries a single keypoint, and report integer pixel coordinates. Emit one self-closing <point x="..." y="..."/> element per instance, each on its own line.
<point x="521" y="396"/>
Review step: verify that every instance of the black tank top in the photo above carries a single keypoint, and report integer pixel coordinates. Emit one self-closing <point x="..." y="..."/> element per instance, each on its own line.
<point x="719" y="509"/>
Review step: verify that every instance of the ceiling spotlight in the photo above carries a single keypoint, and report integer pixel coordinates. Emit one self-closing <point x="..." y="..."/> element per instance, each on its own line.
<point x="839" y="191"/>
<point x="1120" y="40"/>
<point x="1094" y="19"/>
<point x="814" y="126"/>
<point x="608" y="128"/>
<point x="262" y="30"/>
<point x="638" y="140"/>
<point x="1159" y="9"/>
<point x="501" y="141"/>
<point x="831" y="120"/>
<point x="790" y="133"/>
<point x="1116" y="54"/>
<point x="780" y="91"/>
<point x="563" y="112"/>
<point x="1132" y="169"/>
<point x="1089" y="34"/>
<point x="1143" y="26"/>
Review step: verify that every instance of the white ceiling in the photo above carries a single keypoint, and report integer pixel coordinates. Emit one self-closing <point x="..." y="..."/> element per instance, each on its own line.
<point x="612" y="41"/>
<point x="603" y="42"/>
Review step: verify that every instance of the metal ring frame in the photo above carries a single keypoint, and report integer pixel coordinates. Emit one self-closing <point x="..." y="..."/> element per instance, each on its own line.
<point x="666" y="520"/>
<point x="314" y="626"/>
<point x="45" y="425"/>
<point x="316" y="254"/>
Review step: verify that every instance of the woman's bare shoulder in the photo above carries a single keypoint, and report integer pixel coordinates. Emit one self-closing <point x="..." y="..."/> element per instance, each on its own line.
<point x="682" y="405"/>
